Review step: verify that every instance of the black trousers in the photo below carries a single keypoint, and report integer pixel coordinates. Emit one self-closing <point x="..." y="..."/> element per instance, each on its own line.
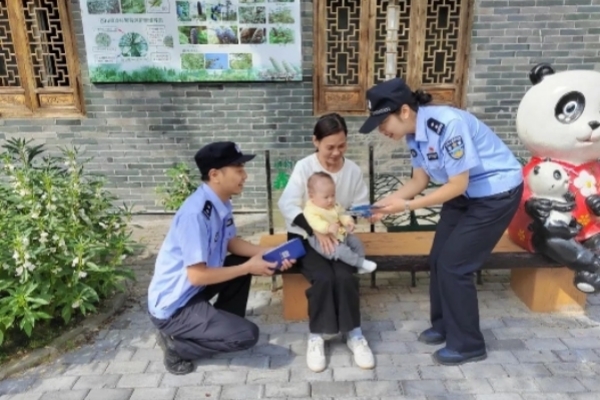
<point x="333" y="298"/>
<point x="466" y="234"/>
<point x="200" y="329"/>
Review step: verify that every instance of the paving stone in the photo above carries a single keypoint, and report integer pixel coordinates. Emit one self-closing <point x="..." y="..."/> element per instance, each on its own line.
<point x="148" y="355"/>
<point x="515" y="384"/>
<point x="225" y="377"/>
<point x="574" y="370"/>
<point x="505" y="344"/>
<point x="153" y="394"/>
<point x="109" y="394"/>
<point x="545" y="344"/>
<point x="527" y="370"/>
<point x="469" y="386"/>
<point x="412" y="359"/>
<point x="65" y="395"/>
<point x="256" y="376"/>
<point x="582" y="342"/>
<point x="54" y="384"/>
<point x="97" y="382"/>
<point x="535" y="356"/>
<point x="397" y="373"/>
<point x="175" y="381"/>
<point x="21" y="396"/>
<point x="288" y="390"/>
<point x="441" y="372"/>
<point x="93" y="368"/>
<point x="479" y="371"/>
<point x="16" y="385"/>
<point x="140" y="381"/>
<point x="352" y="374"/>
<point x="303" y="374"/>
<point x="498" y="396"/>
<point x="241" y="392"/>
<point x="558" y="384"/>
<point x="114" y="355"/>
<point x="378" y="389"/>
<point x="126" y="367"/>
<point x="424" y="387"/>
<point x="546" y="396"/>
<point x="198" y="392"/>
<point x="332" y="389"/>
<point x="576" y="355"/>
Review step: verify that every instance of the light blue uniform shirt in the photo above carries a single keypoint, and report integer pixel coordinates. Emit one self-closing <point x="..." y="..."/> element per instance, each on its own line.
<point x="199" y="233"/>
<point x="449" y="141"/>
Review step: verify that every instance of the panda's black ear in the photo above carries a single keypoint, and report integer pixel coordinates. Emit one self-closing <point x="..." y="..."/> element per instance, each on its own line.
<point x="547" y="159"/>
<point x="536" y="170"/>
<point x="538" y="72"/>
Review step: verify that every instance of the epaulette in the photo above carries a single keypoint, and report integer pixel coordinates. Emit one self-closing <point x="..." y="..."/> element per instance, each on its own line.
<point x="207" y="210"/>
<point x="436" y="126"/>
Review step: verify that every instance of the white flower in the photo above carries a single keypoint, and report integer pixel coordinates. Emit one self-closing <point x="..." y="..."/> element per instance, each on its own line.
<point x="19" y="271"/>
<point x="75" y="261"/>
<point x="76" y="304"/>
<point x="29" y="266"/>
<point x="55" y="237"/>
<point x="82" y="274"/>
<point x="35" y="215"/>
<point x="102" y="225"/>
<point x="5" y="266"/>
<point x="43" y="237"/>
<point x="51" y="207"/>
<point x="586" y="183"/>
<point x="16" y="255"/>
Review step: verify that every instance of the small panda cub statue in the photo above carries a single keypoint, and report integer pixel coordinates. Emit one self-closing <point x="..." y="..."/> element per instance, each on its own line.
<point x="549" y="180"/>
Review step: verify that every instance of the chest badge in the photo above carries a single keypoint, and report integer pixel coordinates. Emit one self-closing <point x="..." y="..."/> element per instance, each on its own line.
<point x="432" y="156"/>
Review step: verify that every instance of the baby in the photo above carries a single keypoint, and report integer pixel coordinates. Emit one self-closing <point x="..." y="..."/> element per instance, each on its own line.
<point x="326" y="216"/>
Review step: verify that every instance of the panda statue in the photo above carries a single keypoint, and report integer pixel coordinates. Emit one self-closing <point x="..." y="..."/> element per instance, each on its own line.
<point x="558" y="121"/>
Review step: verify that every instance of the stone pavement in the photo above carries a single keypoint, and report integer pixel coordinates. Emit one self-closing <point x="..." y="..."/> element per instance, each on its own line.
<point x="531" y="356"/>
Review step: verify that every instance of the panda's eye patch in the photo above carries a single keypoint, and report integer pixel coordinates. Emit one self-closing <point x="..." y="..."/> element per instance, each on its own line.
<point x="569" y="107"/>
<point x="557" y="175"/>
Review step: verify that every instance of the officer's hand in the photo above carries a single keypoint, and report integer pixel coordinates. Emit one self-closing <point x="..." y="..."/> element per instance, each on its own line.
<point x="257" y="266"/>
<point x="389" y="205"/>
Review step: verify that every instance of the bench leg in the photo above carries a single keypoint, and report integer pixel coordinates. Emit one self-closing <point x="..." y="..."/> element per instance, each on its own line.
<point x="547" y="289"/>
<point x="295" y="304"/>
<point x="273" y="283"/>
<point x="413" y="278"/>
<point x="479" y="279"/>
<point x="373" y="280"/>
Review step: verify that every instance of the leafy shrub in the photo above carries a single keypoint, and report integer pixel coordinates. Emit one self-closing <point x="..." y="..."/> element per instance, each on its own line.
<point x="63" y="241"/>
<point x="178" y="187"/>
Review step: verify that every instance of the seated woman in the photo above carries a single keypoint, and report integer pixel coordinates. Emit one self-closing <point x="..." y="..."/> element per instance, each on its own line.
<point x="333" y="304"/>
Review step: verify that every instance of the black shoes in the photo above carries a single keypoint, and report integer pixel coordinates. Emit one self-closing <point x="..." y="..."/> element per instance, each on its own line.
<point x="173" y="363"/>
<point x="432" y="337"/>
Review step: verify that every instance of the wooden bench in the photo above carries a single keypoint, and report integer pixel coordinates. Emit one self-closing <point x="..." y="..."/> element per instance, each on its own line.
<point x="541" y="285"/>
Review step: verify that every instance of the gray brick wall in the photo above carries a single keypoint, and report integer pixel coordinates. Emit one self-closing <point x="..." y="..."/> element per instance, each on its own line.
<point x="135" y="132"/>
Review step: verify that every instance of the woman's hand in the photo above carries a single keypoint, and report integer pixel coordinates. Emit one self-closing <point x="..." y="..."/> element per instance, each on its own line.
<point x="327" y="242"/>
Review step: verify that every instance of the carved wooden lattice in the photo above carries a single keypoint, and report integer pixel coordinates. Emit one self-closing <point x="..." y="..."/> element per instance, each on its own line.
<point x="349" y="50"/>
<point x="442" y="34"/>
<point x="380" y="33"/>
<point x="39" y="68"/>
<point x="9" y="71"/>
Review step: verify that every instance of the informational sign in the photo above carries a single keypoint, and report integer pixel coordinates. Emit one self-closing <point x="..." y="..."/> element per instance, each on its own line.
<point x="192" y="41"/>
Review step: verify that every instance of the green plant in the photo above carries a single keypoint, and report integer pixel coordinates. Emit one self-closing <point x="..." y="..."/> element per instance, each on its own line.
<point x="63" y="241"/>
<point x="178" y="187"/>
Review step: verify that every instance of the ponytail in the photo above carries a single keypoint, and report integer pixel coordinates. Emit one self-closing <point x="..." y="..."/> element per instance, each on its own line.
<point x="421" y="98"/>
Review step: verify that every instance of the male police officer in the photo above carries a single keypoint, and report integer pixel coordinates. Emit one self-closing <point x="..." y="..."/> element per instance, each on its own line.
<point x="188" y="269"/>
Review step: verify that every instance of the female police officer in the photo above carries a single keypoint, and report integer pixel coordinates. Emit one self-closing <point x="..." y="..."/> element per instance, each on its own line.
<point x="482" y="187"/>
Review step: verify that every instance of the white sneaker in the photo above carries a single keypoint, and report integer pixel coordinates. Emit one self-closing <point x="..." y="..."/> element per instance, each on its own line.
<point x="363" y="356"/>
<point x="367" y="267"/>
<point x="315" y="354"/>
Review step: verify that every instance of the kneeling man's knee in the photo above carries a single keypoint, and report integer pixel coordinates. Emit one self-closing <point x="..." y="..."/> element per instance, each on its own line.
<point x="246" y="337"/>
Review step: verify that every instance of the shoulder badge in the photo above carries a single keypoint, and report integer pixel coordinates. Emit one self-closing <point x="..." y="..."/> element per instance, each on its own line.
<point x="455" y="147"/>
<point x="413" y="152"/>
<point x="436" y="126"/>
<point x="229" y="222"/>
<point x="207" y="210"/>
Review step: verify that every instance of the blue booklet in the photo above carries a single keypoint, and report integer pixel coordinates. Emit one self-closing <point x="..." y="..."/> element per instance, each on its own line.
<point x="290" y="250"/>
<point x="363" y="211"/>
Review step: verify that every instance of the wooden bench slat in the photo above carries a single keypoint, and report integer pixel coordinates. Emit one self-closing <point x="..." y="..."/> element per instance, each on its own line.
<point x="393" y="244"/>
